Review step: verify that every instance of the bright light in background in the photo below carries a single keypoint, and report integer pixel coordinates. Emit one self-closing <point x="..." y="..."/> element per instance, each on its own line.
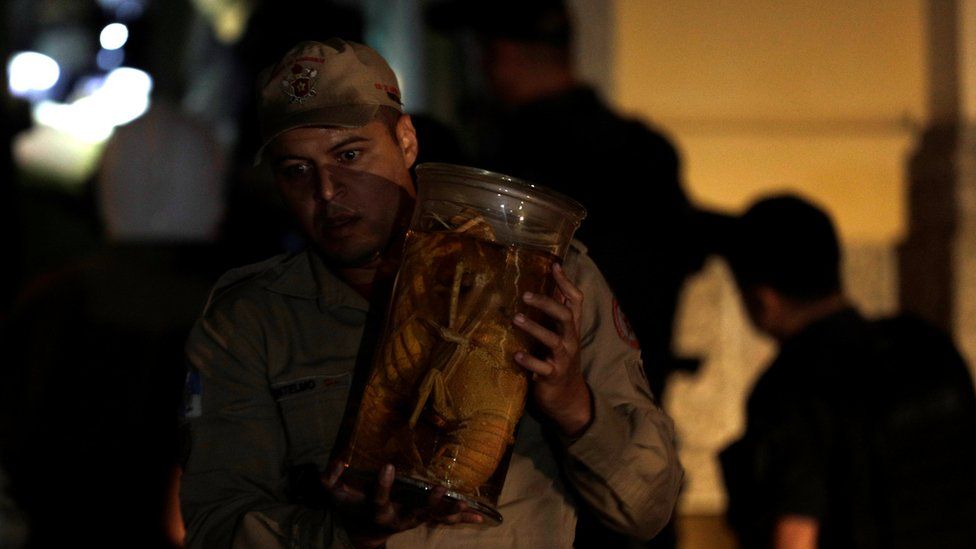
<point x="31" y="72"/>
<point x="228" y="17"/>
<point x="109" y="59"/>
<point x="114" y="36"/>
<point x="66" y="140"/>
<point x="73" y="119"/>
<point x="67" y="137"/>
<point x="122" y="97"/>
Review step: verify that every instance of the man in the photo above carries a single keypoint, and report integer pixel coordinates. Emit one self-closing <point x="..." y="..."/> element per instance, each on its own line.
<point x="860" y="434"/>
<point x="274" y="354"/>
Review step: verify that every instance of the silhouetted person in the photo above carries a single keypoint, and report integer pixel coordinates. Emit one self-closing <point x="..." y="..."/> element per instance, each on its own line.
<point x="553" y="129"/>
<point x="93" y="353"/>
<point x="860" y="433"/>
<point x="549" y="127"/>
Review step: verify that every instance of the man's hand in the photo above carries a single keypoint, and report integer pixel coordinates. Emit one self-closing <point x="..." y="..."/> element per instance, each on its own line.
<point x="558" y="387"/>
<point x="371" y="517"/>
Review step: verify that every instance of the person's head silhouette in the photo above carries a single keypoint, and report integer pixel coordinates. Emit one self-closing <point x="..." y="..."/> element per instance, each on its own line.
<point x="786" y="257"/>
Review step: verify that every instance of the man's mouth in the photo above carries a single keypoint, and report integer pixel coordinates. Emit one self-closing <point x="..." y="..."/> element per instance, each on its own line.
<point x="338" y="220"/>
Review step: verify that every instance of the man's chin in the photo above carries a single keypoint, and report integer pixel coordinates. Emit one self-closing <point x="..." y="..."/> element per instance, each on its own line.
<point x="350" y="259"/>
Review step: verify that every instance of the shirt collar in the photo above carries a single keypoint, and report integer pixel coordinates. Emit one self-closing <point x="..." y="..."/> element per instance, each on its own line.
<point x="307" y="277"/>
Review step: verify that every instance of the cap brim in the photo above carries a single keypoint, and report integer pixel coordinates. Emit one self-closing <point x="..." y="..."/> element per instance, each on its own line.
<point x="342" y="116"/>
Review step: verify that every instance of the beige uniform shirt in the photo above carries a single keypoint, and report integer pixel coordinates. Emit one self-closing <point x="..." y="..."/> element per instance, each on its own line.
<point x="271" y="363"/>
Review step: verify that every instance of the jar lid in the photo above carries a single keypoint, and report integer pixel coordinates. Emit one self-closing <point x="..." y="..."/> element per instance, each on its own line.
<point x="504" y="184"/>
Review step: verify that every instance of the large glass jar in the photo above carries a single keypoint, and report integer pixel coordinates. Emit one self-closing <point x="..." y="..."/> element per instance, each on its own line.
<point x="445" y="395"/>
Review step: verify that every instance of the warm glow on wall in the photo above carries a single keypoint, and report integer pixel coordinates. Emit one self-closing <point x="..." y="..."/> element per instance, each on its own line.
<point x="820" y="97"/>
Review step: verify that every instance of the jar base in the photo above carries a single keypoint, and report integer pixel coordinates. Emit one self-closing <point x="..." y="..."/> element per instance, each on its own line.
<point x="422" y="488"/>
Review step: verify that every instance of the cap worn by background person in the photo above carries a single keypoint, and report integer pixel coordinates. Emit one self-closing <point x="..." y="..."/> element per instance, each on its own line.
<point x="534" y="21"/>
<point x="335" y="83"/>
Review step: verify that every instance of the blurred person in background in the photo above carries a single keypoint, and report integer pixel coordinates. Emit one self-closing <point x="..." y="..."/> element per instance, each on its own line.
<point x="547" y="126"/>
<point x="93" y="375"/>
<point x="539" y="109"/>
<point x="861" y="433"/>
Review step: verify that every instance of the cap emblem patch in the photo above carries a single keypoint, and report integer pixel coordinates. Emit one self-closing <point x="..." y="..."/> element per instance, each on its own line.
<point x="300" y="84"/>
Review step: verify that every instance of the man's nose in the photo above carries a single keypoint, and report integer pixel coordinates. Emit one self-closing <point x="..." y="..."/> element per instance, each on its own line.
<point x="329" y="187"/>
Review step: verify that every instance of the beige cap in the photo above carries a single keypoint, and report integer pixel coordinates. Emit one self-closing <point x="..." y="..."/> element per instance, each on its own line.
<point x="335" y="83"/>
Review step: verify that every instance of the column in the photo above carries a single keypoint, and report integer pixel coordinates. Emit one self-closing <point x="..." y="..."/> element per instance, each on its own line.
<point x="938" y="258"/>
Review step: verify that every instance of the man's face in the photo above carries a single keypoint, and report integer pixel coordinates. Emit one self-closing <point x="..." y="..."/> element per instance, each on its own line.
<point x="350" y="188"/>
<point x="501" y="62"/>
<point x="767" y="310"/>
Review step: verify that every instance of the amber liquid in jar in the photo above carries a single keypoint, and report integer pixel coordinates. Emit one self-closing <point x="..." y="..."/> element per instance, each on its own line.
<point x="445" y="393"/>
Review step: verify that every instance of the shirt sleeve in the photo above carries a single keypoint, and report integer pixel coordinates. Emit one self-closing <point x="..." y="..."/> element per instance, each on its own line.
<point x="232" y="489"/>
<point x="779" y="466"/>
<point x="625" y="465"/>
<point x="791" y="460"/>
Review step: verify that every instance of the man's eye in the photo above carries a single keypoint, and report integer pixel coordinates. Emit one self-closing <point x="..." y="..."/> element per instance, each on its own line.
<point x="295" y="171"/>
<point x="349" y="156"/>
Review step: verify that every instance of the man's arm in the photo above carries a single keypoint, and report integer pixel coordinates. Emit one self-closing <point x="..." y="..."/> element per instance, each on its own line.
<point x="623" y="462"/>
<point x="796" y="532"/>
<point x="232" y="490"/>
<point x="233" y="487"/>
<point x="776" y="474"/>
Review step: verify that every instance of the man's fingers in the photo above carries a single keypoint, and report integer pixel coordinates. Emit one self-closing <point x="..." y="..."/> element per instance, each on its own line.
<point x="436" y="496"/>
<point x="339" y="490"/>
<point x="439" y="505"/>
<point x="543" y="368"/>
<point x="538" y="331"/>
<point x="385" y="512"/>
<point x="332" y="478"/>
<point x="458" y="518"/>
<point x="383" y="486"/>
<point x="473" y="518"/>
<point x="561" y="347"/>
<point x="566" y="285"/>
<point x="549" y="306"/>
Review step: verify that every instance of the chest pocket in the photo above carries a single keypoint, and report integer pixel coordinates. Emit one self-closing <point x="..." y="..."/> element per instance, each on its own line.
<point x="312" y="409"/>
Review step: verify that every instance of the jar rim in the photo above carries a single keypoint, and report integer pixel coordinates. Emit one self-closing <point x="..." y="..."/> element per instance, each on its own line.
<point x="512" y="186"/>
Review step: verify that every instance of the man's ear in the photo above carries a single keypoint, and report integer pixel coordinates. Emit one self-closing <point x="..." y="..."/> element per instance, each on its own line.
<point x="767" y="297"/>
<point x="407" y="139"/>
<point x="771" y="309"/>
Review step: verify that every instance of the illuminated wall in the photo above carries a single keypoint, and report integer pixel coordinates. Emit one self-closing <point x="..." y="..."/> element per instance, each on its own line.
<point x="824" y="98"/>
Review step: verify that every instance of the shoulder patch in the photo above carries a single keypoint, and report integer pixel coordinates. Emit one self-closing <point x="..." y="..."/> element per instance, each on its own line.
<point x="622" y="325"/>
<point x="192" y="395"/>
